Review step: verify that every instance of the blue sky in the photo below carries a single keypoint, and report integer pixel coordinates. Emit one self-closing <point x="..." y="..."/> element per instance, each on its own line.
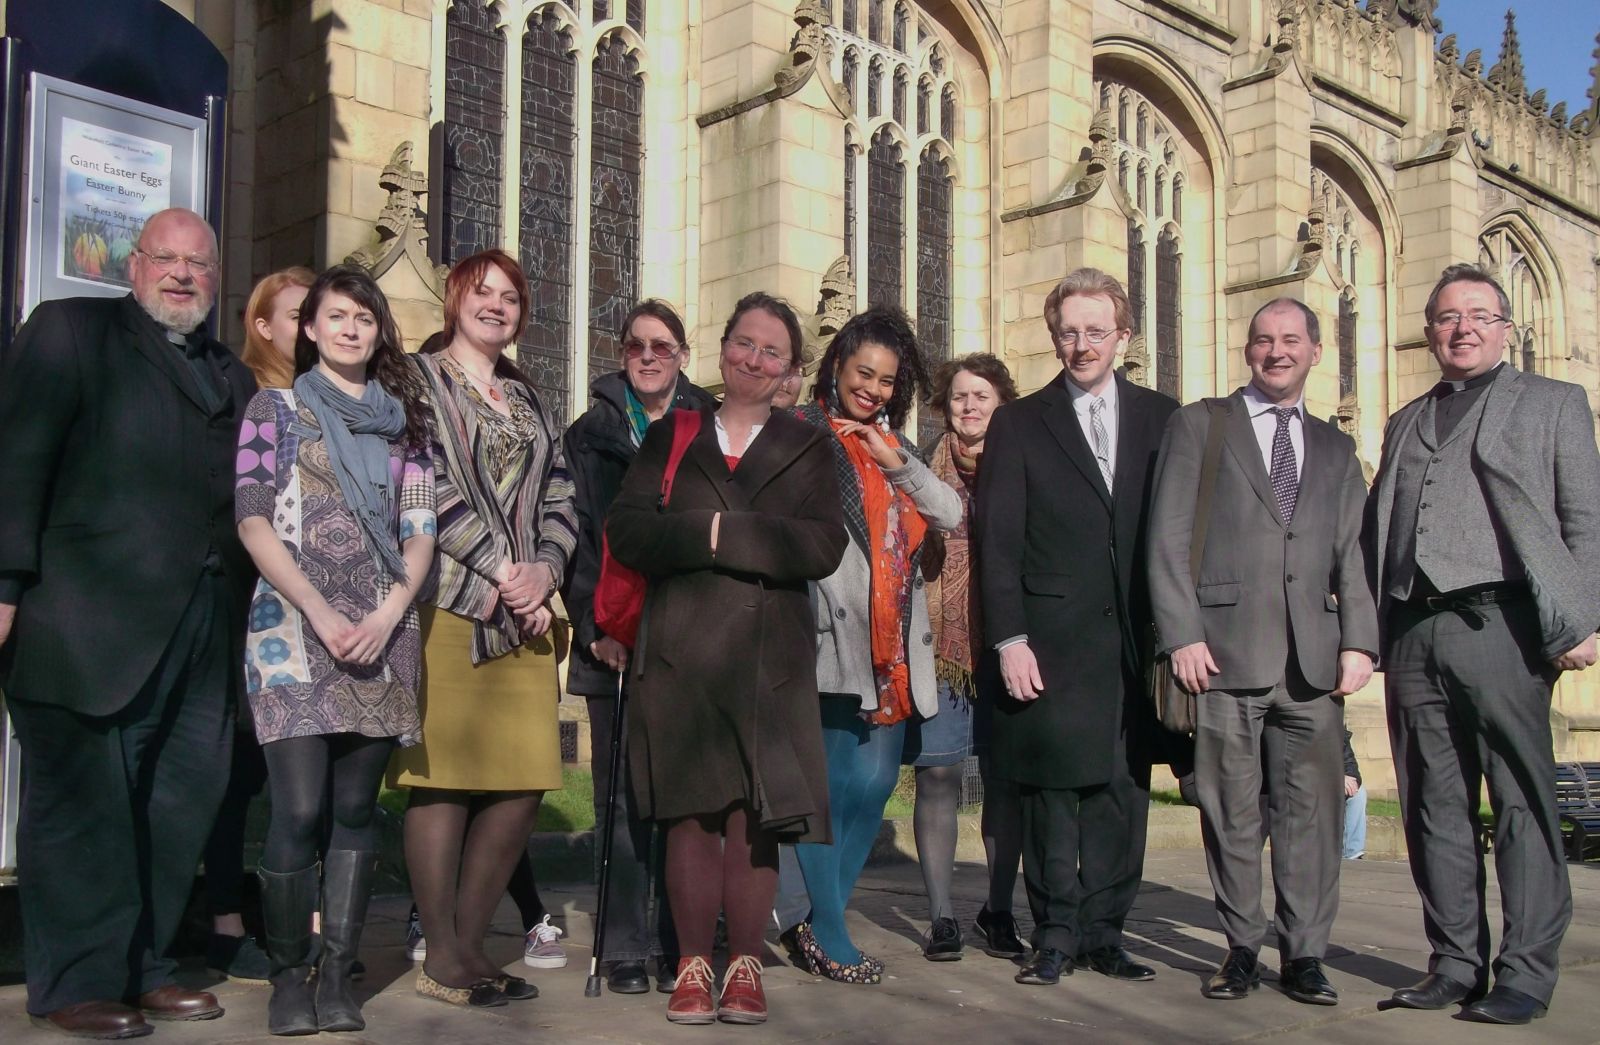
<point x="1557" y="37"/>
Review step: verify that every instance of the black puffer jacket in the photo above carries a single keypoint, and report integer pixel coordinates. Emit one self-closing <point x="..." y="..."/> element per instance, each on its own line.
<point x="598" y="450"/>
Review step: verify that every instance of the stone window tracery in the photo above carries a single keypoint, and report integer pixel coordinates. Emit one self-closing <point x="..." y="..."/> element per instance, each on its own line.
<point x="935" y="251"/>
<point x="886" y="227"/>
<point x="1502" y="252"/>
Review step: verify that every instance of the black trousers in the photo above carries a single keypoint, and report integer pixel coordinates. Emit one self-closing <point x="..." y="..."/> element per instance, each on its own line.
<point x="1469" y="702"/>
<point x="224" y="855"/>
<point x="115" y="813"/>
<point x="636" y="854"/>
<point x="1083" y="858"/>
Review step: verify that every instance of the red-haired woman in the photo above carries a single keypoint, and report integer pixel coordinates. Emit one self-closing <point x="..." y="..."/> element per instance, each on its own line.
<point x="507" y="526"/>
<point x="272" y="323"/>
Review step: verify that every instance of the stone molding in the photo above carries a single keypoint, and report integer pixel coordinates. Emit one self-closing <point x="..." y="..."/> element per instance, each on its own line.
<point x="401" y="230"/>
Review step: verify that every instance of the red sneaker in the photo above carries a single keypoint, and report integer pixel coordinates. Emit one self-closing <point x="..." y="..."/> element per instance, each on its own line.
<point x="691" y="999"/>
<point x="743" y="999"/>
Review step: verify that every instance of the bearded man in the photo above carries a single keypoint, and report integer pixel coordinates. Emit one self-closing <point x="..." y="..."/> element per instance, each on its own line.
<point x="122" y="594"/>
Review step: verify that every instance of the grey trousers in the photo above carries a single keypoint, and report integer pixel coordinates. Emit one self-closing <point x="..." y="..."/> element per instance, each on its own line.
<point x="1293" y="735"/>
<point x="1469" y="700"/>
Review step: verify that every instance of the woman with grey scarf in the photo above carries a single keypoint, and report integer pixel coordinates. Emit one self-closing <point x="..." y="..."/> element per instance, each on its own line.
<point x="335" y="503"/>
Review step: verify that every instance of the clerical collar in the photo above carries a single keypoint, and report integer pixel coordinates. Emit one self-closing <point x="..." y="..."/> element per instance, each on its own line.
<point x="1446" y="386"/>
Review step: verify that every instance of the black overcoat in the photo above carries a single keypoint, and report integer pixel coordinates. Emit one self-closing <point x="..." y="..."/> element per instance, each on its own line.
<point x="116" y="492"/>
<point x="723" y="698"/>
<point x="1063" y="562"/>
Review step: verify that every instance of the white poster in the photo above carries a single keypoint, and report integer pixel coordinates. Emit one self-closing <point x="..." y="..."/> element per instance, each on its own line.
<point x="111" y="182"/>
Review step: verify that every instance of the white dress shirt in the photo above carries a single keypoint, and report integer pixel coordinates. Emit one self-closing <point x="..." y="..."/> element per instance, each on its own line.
<point x="1081" y="402"/>
<point x="1265" y="423"/>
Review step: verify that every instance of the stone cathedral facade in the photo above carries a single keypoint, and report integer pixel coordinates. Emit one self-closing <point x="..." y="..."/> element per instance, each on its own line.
<point x="956" y="157"/>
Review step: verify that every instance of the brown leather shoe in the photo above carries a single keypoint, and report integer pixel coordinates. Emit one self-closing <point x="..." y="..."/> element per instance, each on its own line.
<point x="95" y="1019"/>
<point x="173" y="1002"/>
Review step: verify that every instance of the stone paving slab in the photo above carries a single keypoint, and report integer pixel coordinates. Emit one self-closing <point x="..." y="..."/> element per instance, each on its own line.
<point x="1377" y="947"/>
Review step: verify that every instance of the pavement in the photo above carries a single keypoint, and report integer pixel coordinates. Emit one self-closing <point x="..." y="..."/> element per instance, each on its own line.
<point x="1377" y="947"/>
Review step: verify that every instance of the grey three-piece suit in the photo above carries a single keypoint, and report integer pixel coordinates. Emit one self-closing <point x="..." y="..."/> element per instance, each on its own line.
<point x="1490" y="488"/>
<point x="1276" y="602"/>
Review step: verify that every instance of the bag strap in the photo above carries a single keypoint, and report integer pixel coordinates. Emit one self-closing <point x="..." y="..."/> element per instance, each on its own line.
<point x="685" y="426"/>
<point x="1209" y="465"/>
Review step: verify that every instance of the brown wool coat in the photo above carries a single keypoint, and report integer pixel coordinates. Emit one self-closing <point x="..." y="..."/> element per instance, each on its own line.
<point x="724" y="690"/>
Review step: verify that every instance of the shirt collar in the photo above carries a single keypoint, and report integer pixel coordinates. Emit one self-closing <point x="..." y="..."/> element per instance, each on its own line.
<point x="1258" y="404"/>
<point x="1445" y="386"/>
<point x="1080" y="397"/>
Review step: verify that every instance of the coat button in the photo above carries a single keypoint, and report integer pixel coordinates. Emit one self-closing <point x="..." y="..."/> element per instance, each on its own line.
<point x="1290" y="578"/>
<point x="917" y="583"/>
<point x="1435" y="460"/>
<point x="1424" y="504"/>
<point x="1106" y="612"/>
<point x="1422" y="529"/>
<point x="927" y="638"/>
<point x="1289" y="536"/>
<point x="839" y="613"/>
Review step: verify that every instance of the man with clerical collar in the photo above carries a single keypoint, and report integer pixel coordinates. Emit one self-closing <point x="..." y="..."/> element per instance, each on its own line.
<point x="1484" y="535"/>
<point x="1271" y="632"/>
<point x="122" y="595"/>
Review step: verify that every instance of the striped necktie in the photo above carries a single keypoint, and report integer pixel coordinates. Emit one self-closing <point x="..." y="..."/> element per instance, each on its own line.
<point x="1102" y="441"/>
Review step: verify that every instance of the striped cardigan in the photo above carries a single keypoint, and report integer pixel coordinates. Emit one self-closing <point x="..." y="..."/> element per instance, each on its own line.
<point x="527" y="517"/>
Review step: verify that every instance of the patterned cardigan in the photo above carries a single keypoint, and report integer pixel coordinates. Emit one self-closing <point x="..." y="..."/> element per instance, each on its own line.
<point x="529" y="516"/>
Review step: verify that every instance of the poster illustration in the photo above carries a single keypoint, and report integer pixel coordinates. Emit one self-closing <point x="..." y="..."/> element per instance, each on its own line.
<point x="111" y="181"/>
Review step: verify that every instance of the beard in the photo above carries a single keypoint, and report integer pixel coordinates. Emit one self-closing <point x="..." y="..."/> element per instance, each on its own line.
<point x="180" y="319"/>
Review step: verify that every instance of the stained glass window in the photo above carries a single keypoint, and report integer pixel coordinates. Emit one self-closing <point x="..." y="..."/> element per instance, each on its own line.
<point x="1136" y="249"/>
<point x="1177" y="198"/>
<point x="474" y="130"/>
<point x="947" y="114"/>
<point x="1169" y="312"/>
<point x="636" y="15"/>
<point x="901" y="19"/>
<point x="602" y="10"/>
<point x="1142" y="127"/>
<point x="935" y="251"/>
<point x="850" y="151"/>
<point x="924" y="103"/>
<point x="900" y="96"/>
<point x="847" y="17"/>
<point x="874" y="88"/>
<point x="615" y="183"/>
<point x="1347" y="345"/>
<point x="875" y="21"/>
<point x="545" y="233"/>
<point x="886" y="197"/>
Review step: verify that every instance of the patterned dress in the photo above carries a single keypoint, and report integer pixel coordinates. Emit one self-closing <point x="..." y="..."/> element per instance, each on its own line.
<point x="294" y="685"/>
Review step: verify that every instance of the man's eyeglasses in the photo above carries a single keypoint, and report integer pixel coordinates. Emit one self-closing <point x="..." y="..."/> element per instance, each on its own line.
<point x="769" y="358"/>
<point x="633" y="348"/>
<point x="1451" y="320"/>
<point x="1069" y="338"/>
<point x="164" y="260"/>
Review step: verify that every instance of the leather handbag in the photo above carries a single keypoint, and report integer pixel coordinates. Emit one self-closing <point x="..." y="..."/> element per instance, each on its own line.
<point x="1174" y="705"/>
<point x="619" y="597"/>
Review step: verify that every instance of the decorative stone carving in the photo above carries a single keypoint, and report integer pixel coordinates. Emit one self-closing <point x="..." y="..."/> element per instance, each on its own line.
<point x="401" y="230"/>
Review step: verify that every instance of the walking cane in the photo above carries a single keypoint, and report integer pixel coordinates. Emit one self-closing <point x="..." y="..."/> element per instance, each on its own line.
<point x="591" y="989"/>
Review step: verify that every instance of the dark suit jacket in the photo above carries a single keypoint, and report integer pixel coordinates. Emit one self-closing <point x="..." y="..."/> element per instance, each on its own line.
<point x="117" y="485"/>
<point x="1534" y="453"/>
<point x="723" y="683"/>
<point x="1063" y="562"/>
<point x="1257" y="573"/>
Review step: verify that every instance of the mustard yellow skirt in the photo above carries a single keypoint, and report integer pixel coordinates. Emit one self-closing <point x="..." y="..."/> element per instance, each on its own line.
<point x="485" y="727"/>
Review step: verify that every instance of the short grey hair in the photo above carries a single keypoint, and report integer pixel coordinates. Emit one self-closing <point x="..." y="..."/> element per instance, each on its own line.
<point x="1313" y="324"/>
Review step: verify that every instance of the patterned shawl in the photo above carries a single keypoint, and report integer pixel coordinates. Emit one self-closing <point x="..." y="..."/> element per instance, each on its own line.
<point x="953" y="604"/>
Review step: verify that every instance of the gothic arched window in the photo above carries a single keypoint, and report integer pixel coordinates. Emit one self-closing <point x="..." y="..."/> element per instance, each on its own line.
<point x="935" y="254"/>
<point x="615" y="187"/>
<point x="848" y="74"/>
<point x="874" y="88"/>
<point x="1347" y="345"/>
<point x="474" y="131"/>
<point x="886" y="223"/>
<point x="901" y="20"/>
<point x="947" y="114"/>
<point x="900" y="96"/>
<point x="875" y="21"/>
<point x="1136" y="297"/>
<point x="1169" y="289"/>
<point x="924" y="103"/>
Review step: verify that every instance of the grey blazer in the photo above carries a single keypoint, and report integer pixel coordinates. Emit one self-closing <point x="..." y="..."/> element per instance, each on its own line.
<point x="844" y="637"/>
<point x="1257" y="573"/>
<point x="1534" y="452"/>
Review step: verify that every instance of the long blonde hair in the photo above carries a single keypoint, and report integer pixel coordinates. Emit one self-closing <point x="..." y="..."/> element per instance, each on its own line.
<point x="272" y="368"/>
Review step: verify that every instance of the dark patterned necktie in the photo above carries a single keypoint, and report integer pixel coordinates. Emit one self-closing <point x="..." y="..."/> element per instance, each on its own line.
<point x="1285" y="483"/>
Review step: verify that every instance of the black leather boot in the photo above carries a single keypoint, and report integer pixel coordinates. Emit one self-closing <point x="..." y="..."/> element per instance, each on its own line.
<point x="346" y="885"/>
<point x="287" y="901"/>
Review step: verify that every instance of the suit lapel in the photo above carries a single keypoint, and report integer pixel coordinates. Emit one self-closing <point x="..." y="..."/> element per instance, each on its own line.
<point x="1240" y="440"/>
<point x="1131" y="438"/>
<point x="1500" y="400"/>
<point x="706" y="454"/>
<point x="1062" y="420"/>
<point x="161" y="353"/>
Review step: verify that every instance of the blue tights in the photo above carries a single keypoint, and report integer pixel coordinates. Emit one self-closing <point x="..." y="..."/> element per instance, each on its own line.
<point x="863" y="765"/>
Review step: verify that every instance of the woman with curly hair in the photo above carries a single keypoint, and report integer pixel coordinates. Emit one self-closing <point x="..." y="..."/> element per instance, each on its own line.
<point x="874" y="647"/>
<point x="335" y="504"/>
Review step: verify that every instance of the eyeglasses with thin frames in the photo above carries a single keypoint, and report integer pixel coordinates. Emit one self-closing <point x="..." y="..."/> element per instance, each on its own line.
<point x="166" y="260"/>
<point x="633" y="348"/>
<point x="1069" y="338"/>
<point x="1451" y="320"/>
<point x="770" y="359"/>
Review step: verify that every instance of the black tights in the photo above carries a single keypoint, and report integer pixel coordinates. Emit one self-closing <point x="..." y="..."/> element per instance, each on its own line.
<point x="933" y="822"/>
<point x="307" y="777"/>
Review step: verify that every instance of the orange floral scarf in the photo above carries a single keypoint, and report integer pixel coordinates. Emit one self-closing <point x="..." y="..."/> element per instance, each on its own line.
<point x="895" y="530"/>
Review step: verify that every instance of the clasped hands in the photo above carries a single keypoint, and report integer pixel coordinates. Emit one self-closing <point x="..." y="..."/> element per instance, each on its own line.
<point x="525" y="588"/>
<point x="354" y="643"/>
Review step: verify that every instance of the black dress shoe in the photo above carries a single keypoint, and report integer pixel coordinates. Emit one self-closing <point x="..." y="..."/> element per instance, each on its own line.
<point x="1504" y="1005"/>
<point x="944" y="941"/>
<point x="1303" y="980"/>
<point x="999" y="932"/>
<point x="1239" y="975"/>
<point x="1435" y="991"/>
<point x="1045" y="968"/>
<point x="628" y="978"/>
<point x="666" y="974"/>
<point x="1117" y="964"/>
